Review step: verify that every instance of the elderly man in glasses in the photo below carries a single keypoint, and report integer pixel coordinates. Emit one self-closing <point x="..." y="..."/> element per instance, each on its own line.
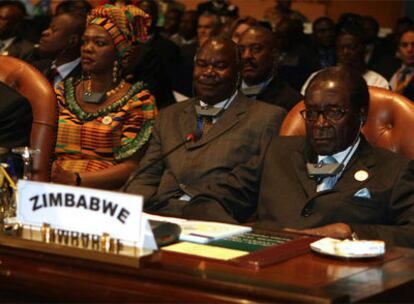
<point x="331" y="182"/>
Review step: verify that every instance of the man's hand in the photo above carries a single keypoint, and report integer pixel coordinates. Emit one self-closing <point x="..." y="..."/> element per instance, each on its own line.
<point x="337" y="230"/>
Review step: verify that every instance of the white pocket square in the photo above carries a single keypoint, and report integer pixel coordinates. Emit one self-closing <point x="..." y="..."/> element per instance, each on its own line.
<point x="364" y="192"/>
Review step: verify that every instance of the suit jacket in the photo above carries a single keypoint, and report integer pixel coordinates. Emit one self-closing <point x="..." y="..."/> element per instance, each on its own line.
<point x="44" y="66"/>
<point x="15" y="123"/>
<point x="242" y="131"/>
<point x="15" y="118"/>
<point x="154" y="66"/>
<point x="287" y="197"/>
<point x="20" y="48"/>
<point x="279" y="93"/>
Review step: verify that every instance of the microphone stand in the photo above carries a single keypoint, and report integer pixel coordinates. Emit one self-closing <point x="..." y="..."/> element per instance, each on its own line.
<point x="191" y="137"/>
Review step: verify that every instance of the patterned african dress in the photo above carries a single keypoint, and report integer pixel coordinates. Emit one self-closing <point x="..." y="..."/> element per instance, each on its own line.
<point x="94" y="141"/>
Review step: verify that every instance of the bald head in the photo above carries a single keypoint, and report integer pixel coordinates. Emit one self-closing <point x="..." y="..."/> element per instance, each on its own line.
<point x="257" y="50"/>
<point x="216" y="70"/>
<point x="346" y="77"/>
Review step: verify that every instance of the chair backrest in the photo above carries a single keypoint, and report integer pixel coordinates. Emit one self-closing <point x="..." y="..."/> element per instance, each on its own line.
<point x="389" y="125"/>
<point x="30" y="83"/>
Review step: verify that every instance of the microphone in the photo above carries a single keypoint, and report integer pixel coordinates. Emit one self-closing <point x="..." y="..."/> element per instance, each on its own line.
<point x="190" y="137"/>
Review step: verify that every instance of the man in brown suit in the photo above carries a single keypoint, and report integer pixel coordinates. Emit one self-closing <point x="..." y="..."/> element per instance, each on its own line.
<point x="234" y="129"/>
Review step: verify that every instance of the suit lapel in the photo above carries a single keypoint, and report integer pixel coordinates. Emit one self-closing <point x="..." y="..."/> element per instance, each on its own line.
<point x="299" y="165"/>
<point x="229" y="118"/>
<point x="362" y="161"/>
<point x="188" y="122"/>
<point x="76" y="72"/>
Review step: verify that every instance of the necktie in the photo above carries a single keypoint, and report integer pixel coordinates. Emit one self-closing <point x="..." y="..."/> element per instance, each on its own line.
<point x="207" y="123"/>
<point x="329" y="181"/>
<point x="52" y="75"/>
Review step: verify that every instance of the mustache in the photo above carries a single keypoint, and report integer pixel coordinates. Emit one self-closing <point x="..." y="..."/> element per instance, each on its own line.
<point x="249" y="62"/>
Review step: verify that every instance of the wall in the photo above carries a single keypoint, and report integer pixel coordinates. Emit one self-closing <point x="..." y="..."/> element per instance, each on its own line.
<point x="385" y="11"/>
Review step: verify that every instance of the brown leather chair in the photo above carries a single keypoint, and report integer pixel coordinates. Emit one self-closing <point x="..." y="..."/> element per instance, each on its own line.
<point x="390" y="122"/>
<point x="30" y="83"/>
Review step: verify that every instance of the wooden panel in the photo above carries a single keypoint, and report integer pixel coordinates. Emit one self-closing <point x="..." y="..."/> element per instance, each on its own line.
<point x="37" y="271"/>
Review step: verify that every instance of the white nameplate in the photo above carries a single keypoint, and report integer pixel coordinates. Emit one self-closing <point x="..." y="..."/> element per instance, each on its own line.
<point x="81" y="209"/>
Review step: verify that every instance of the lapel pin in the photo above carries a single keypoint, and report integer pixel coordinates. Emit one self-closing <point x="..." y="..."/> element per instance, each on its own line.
<point x="361" y="175"/>
<point x="107" y="120"/>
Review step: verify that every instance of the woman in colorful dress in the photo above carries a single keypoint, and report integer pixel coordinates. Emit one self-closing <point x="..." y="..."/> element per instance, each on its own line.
<point x="104" y="122"/>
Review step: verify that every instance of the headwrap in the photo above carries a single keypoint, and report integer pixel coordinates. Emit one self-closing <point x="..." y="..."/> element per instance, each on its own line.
<point x="126" y="25"/>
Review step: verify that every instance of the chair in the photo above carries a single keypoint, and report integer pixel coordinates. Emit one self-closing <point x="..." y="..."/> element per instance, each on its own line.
<point x="30" y="83"/>
<point x="389" y="125"/>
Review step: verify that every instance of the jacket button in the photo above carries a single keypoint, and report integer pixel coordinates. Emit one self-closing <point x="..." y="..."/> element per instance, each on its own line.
<point x="306" y="212"/>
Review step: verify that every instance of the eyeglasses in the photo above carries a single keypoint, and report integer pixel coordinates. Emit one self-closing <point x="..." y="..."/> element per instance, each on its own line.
<point x="331" y="114"/>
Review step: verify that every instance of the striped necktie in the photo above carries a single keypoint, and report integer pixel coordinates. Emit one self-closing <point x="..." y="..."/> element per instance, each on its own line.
<point x="328" y="182"/>
<point x="207" y="123"/>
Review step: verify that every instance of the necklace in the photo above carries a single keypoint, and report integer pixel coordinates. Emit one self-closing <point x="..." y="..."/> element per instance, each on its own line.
<point x="115" y="90"/>
<point x="98" y="97"/>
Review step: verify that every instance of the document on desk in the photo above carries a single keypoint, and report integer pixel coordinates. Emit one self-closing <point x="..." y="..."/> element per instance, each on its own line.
<point x="201" y="231"/>
<point x="206" y="251"/>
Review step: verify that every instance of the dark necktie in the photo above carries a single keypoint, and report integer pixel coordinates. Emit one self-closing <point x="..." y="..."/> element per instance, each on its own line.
<point x="52" y="75"/>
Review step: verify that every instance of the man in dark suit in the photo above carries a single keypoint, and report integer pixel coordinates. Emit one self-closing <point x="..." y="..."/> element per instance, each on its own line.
<point x="15" y="118"/>
<point x="234" y="129"/>
<point x="331" y="182"/>
<point x="15" y="123"/>
<point x="257" y="47"/>
<point x="58" y="53"/>
<point x="154" y="60"/>
<point x="11" y="18"/>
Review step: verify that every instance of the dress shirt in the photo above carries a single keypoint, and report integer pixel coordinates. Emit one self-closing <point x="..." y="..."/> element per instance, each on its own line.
<point x="5" y="45"/>
<point x="254" y="90"/>
<point x="64" y="70"/>
<point x="222" y="104"/>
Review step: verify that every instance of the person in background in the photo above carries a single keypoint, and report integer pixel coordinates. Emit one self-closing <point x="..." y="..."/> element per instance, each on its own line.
<point x="234" y="128"/>
<point x="59" y="48"/>
<point x="259" y="80"/>
<point x="295" y="60"/>
<point x="82" y="7"/>
<point x="208" y="25"/>
<point x="280" y="11"/>
<point x="171" y="22"/>
<point x="379" y="56"/>
<point x="350" y="52"/>
<point x="323" y="34"/>
<point x="153" y="60"/>
<point x="187" y="33"/>
<point x="239" y="26"/>
<point x="12" y="43"/>
<point x="402" y="81"/>
<point x="186" y="39"/>
<point x="104" y="121"/>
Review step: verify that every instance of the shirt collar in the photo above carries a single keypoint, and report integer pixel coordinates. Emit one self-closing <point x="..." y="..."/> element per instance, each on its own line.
<point x="65" y="69"/>
<point x="222" y="104"/>
<point x="340" y="156"/>
<point x="256" y="88"/>
<point x="6" y="43"/>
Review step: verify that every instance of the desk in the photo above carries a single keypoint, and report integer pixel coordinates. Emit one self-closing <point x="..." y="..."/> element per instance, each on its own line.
<point x="36" y="271"/>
